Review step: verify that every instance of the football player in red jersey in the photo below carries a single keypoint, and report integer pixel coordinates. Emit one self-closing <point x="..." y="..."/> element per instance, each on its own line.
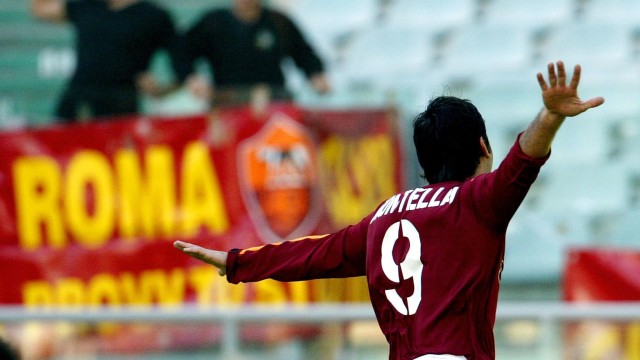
<point x="432" y="255"/>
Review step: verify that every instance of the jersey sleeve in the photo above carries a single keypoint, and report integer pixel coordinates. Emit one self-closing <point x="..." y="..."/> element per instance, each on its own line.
<point x="497" y="195"/>
<point x="338" y="255"/>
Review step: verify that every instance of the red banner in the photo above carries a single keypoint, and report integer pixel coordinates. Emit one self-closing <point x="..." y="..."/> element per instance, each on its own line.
<point x="602" y="275"/>
<point x="595" y="275"/>
<point x="88" y="212"/>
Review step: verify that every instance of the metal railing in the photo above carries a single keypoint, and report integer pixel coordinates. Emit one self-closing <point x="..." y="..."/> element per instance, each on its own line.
<point x="547" y="314"/>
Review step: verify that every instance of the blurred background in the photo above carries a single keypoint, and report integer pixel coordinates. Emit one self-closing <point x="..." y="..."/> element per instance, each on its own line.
<point x="400" y="53"/>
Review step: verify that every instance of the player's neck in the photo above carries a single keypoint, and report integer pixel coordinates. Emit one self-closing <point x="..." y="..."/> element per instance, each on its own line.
<point x="485" y="165"/>
<point x="486" y="159"/>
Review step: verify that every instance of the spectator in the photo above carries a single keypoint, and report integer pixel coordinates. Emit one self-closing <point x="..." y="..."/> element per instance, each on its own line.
<point x="115" y="42"/>
<point x="244" y="46"/>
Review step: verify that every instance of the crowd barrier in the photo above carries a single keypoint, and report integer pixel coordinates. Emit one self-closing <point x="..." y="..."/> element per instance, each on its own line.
<point x="543" y="329"/>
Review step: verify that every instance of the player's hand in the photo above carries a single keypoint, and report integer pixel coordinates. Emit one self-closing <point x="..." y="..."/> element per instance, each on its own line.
<point x="562" y="99"/>
<point x="213" y="257"/>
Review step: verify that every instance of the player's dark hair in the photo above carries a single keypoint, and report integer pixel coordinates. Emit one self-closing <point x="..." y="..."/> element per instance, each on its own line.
<point x="446" y="136"/>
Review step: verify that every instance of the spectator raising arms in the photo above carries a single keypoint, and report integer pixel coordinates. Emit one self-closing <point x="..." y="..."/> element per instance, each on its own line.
<point x="115" y="42"/>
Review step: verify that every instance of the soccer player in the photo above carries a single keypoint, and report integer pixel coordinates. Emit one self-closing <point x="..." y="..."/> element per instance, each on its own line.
<point x="433" y="255"/>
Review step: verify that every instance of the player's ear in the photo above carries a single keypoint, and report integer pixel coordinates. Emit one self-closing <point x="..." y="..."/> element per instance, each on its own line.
<point x="484" y="148"/>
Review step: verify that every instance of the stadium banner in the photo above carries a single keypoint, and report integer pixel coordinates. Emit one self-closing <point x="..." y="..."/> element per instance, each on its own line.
<point x="597" y="275"/>
<point x="88" y="212"/>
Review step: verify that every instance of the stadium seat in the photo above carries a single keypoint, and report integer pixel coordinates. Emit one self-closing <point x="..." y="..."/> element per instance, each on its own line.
<point x="343" y="95"/>
<point x="431" y="15"/>
<point x="600" y="46"/>
<point x="484" y="48"/>
<point x="328" y="23"/>
<point x="500" y="138"/>
<point x="338" y="15"/>
<point x="585" y="139"/>
<point x="34" y="67"/>
<point x="10" y="114"/>
<point x="589" y="189"/>
<point x="531" y="14"/>
<point x="626" y="230"/>
<point x="18" y="61"/>
<point x="13" y="12"/>
<point x="510" y="100"/>
<point x="628" y="144"/>
<point x="625" y="12"/>
<point x="22" y="109"/>
<point x="35" y="33"/>
<point x="534" y="250"/>
<point x="186" y="12"/>
<point x="412" y="91"/>
<point x="384" y="54"/>
<point x="619" y="87"/>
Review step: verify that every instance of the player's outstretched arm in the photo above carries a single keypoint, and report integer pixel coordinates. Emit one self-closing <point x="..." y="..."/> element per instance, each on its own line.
<point x="213" y="257"/>
<point x="560" y="100"/>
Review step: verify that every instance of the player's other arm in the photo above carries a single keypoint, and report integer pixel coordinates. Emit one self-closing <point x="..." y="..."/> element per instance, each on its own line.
<point x="337" y="255"/>
<point x="49" y="10"/>
<point x="212" y="257"/>
<point x="560" y="101"/>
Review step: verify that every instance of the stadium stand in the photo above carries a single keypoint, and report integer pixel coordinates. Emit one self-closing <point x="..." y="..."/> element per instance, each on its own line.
<point x="578" y="41"/>
<point x="625" y="232"/>
<point x="591" y="189"/>
<point x="533" y="15"/>
<point x="481" y="48"/>
<point x="330" y="29"/>
<point x="185" y="12"/>
<point x="625" y="12"/>
<point x="405" y="52"/>
<point x="535" y="248"/>
<point x="386" y="54"/>
<point x="28" y="83"/>
<point x="431" y="15"/>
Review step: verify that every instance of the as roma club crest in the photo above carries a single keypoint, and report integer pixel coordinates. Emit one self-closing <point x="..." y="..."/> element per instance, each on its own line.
<point x="279" y="180"/>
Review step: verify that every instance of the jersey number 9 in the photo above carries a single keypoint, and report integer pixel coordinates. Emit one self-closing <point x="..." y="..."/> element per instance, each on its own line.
<point x="409" y="268"/>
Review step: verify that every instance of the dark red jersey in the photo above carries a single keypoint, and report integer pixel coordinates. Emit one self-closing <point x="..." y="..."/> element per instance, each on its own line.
<point x="432" y="256"/>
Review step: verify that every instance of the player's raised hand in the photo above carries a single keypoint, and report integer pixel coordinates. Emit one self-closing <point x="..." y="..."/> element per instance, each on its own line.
<point x="213" y="257"/>
<point x="562" y="99"/>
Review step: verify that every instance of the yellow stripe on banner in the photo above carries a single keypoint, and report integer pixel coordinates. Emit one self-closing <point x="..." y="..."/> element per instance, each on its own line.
<point x="312" y="237"/>
<point x="633" y="341"/>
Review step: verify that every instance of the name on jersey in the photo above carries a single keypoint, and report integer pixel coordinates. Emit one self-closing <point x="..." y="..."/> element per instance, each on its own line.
<point x="419" y="198"/>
